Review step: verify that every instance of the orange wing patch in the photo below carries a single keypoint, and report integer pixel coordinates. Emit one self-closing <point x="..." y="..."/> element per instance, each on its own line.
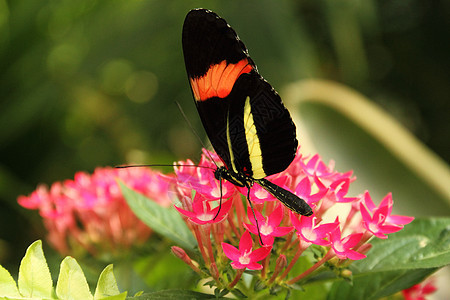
<point x="219" y="80"/>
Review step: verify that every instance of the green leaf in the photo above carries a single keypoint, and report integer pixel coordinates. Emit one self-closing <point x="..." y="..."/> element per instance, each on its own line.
<point x="8" y="287"/>
<point x="34" y="276"/>
<point x="404" y="259"/>
<point x="165" y="221"/>
<point x="107" y="286"/>
<point x="72" y="283"/>
<point x="160" y="276"/>
<point x="425" y="243"/>
<point x="174" y="294"/>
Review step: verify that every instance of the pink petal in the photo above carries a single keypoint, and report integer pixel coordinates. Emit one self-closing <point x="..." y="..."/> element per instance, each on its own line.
<point x="246" y="242"/>
<point x="303" y="189"/>
<point x="295" y="221"/>
<point x="252" y="228"/>
<point x="258" y="215"/>
<point x="281" y="231"/>
<point x="379" y="235"/>
<point x="260" y="253"/>
<point x="352" y="240"/>
<point x="390" y="228"/>
<point x="254" y="266"/>
<point x="274" y="219"/>
<point x="267" y="240"/>
<point x="353" y="255"/>
<point x="368" y="201"/>
<point x="238" y="265"/>
<point x="324" y="229"/>
<point x="387" y="201"/>
<point x="399" y="220"/>
<point x="187" y="213"/>
<point x="231" y="252"/>
<point x="365" y="213"/>
<point x="224" y="210"/>
<point x="335" y="235"/>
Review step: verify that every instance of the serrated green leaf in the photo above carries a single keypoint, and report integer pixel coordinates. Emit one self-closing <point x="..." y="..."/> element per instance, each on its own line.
<point x="404" y="259"/>
<point x="223" y="292"/>
<point x="174" y="294"/>
<point x="8" y="287"/>
<point x="375" y="285"/>
<point x="425" y="243"/>
<point x="106" y="285"/>
<point x="238" y="294"/>
<point x="165" y="221"/>
<point x="34" y="275"/>
<point x="72" y="283"/>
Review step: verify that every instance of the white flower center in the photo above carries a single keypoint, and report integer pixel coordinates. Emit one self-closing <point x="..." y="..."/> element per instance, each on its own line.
<point x="338" y="246"/>
<point x="310" y="234"/>
<point x="244" y="258"/>
<point x="261" y="194"/>
<point x="373" y="227"/>
<point x="266" y="229"/>
<point x="205" y="217"/>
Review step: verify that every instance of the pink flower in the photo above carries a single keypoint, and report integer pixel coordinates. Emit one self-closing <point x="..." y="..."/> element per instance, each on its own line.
<point x="378" y="220"/>
<point x="309" y="231"/>
<point x="303" y="190"/>
<point x="317" y="183"/>
<point x="420" y="291"/>
<point x="90" y="210"/>
<point x="315" y="166"/>
<point x="258" y="194"/>
<point x="203" y="214"/>
<point x="342" y="246"/>
<point x="269" y="227"/>
<point x="245" y="257"/>
<point x="201" y="178"/>
<point x="340" y="188"/>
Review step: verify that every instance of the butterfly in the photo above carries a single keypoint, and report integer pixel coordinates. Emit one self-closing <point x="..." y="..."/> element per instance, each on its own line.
<point x="247" y="123"/>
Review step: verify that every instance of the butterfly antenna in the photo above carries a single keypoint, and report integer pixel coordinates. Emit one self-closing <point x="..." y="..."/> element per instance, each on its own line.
<point x="210" y="157"/>
<point x="193" y="130"/>
<point x="157" y="165"/>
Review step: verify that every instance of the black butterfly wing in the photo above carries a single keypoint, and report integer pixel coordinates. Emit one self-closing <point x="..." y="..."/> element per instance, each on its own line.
<point x="245" y="119"/>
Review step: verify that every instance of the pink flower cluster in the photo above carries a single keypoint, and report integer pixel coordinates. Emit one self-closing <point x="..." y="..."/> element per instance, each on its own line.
<point x="216" y="213"/>
<point x="90" y="210"/>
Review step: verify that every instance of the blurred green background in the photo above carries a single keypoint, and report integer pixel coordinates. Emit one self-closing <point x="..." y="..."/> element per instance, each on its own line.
<point x="94" y="83"/>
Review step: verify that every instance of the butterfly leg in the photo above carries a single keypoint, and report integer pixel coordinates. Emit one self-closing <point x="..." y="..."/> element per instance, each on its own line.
<point x="254" y="215"/>
<point x="220" y="201"/>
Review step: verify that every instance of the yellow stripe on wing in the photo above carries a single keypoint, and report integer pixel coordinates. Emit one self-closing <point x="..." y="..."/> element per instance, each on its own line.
<point x="254" y="147"/>
<point x="230" y="148"/>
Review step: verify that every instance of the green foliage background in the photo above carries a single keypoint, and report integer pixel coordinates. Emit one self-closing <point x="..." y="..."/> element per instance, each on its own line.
<point x="94" y="83"/>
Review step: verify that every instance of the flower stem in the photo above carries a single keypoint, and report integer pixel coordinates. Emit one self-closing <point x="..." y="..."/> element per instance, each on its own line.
<point x="330" y="254"/>
<point x="288" y="242"/>
<point x="201" y="247"/>
<point x="293" y="261"/>
<point x="265" y="267"/>
<point x="366" y="236"/>
<point x="206" y="236"/>
<point x="236" y="279"/>
<point x="280" y="264"/>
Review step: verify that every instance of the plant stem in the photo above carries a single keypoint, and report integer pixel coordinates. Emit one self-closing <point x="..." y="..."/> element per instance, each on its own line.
<point x="330" y="254"/>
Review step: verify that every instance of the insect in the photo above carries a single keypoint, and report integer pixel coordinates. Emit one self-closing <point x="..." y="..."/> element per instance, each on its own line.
<point x="247" y="123"/>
